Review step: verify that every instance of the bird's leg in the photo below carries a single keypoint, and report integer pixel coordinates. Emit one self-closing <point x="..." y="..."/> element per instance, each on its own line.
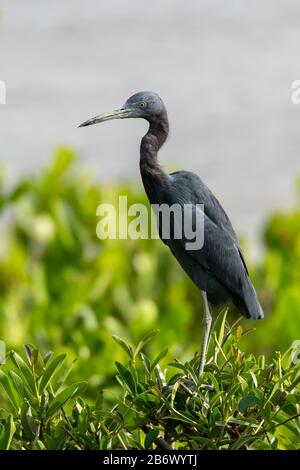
<point x="207" y="329"/>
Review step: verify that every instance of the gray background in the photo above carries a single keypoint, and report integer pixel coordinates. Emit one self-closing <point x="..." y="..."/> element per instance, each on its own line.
<point x="224" y="69"/>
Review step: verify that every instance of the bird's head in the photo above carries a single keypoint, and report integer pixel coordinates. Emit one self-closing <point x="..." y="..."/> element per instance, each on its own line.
<point x="145" y="104"/>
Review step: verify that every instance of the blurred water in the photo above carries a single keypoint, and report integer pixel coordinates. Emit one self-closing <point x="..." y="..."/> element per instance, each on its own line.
<point x="223" y="68"/>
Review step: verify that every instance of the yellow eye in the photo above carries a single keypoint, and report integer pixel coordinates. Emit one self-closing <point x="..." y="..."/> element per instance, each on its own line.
<point x="142" y="104"/>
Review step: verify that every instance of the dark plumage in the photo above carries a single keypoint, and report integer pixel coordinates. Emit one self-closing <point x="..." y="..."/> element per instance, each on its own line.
<point x="218" y="268"/>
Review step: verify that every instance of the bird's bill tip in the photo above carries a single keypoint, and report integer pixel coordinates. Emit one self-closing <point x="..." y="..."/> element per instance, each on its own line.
<point x="87" y="123"/>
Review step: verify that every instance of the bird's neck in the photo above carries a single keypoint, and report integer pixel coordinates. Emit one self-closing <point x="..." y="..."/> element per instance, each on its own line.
<point x="153" y="176"/>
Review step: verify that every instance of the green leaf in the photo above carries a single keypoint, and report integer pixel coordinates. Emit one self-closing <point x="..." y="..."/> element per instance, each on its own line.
<point x="241" y="422"/>
<point x="239" y="331"/>
<point x="47" y="357"/>
<point x="242" y="441"/>
<point x="146" y="363"/>
<point x="10" y="389"/>
<point x="184" y="417"/>
<point x="127" y="348"/>
<point x="99" y="401"/>
<point x="28" y="353"/>
<point x="158" y="358"/>
<point x="39" y="445"/>
<point x="174" y="392"/>
<point x="150" y="437"/>
<point x="28" y="424"/>
<point x="64" y="374"/>
<point x="24" y="370"/>
<point x="144" y="341"/>
<point x="247" y="402"/>
<point x="22" y="388"/>
<point x="254" y="378"/>
<point x="18" y="383"/>
<point x="34" y="358"/>
<point x="148" y="397"/>
<point x="7" y="433"/>
<point x="217" y="399"/>
<point x="213" y="381"/>
<point x="160" y="376"/>
<point x="51" y="368"/>
<point x="219" y="328"/>
<point x="127" y="377"/>
<point x="178" y="365"/>
<point x="65" y="396"/>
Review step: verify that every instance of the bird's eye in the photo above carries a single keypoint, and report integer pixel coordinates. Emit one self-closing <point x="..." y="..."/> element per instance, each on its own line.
<point x="142" y="104"/>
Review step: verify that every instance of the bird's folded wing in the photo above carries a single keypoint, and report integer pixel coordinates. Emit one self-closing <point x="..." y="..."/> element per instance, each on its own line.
<point x="220" y="253"/>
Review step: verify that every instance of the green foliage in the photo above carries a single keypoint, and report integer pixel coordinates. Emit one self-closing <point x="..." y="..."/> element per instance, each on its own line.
<point x="239" y="402"/>
<point x="278" y="277"/>
<point x="36" y="395"/>
<point x="65" y="290"/>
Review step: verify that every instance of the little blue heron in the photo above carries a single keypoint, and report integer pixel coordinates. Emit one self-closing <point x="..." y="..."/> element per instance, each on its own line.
<point x="218" y="268"/>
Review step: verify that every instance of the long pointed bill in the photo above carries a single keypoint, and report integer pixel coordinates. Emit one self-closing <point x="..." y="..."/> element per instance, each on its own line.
<point x="119" y="113"/>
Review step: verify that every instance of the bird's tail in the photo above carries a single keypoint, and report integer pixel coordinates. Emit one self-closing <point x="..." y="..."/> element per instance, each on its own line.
<point x="248" y="303"/>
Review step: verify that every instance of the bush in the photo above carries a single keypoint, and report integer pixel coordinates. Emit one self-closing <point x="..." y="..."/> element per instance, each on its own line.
<point x="239" y="402"/>
<point x="65" y="290"/>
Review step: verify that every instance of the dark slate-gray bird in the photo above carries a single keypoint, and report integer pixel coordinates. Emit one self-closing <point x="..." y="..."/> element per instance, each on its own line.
<point x="218" y="268"/>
